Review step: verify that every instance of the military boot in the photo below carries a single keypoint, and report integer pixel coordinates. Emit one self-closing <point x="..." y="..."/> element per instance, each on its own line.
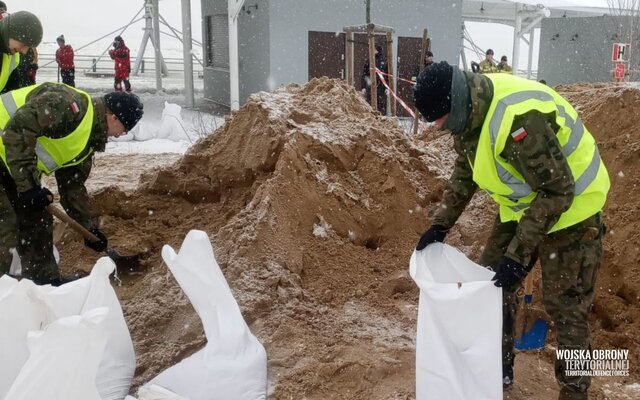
<point x="507" y="377"/>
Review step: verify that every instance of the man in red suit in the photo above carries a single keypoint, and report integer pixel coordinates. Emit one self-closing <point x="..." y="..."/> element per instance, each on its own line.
<point x="120" y="54"/>
<point x="64" y="58"/>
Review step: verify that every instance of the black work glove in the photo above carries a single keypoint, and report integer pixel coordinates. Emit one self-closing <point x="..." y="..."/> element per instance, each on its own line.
<point x="509" y="273"/>
<point x="435" y="233"/>
<point x="36" y="198"/>
<point x="100" y="245"/>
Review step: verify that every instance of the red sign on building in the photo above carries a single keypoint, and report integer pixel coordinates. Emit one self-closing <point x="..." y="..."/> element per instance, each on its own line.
<point x="620" y="52"/>
<point x="620" y="70"/>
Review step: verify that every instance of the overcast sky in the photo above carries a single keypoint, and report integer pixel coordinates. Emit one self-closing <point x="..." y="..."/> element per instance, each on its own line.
<point x="82" y="21"/>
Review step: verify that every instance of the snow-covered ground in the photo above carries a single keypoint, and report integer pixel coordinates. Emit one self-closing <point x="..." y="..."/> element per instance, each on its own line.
<point x="166" y="126"/>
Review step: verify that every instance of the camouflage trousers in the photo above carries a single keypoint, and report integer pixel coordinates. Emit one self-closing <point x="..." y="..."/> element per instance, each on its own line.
<point x="570" y="259"/>
<point x="29" y="232"/>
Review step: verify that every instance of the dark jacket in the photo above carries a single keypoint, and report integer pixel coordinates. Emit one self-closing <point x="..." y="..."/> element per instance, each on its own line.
<point x="381" y="64"/>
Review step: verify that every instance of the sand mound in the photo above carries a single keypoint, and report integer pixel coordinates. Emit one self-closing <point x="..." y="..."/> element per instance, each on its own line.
<point x="612" y="113"/>
<point x="314" y="204"/>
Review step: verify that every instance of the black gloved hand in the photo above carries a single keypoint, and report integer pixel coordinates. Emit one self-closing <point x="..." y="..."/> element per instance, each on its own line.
<point x="36" y="198"/>
<point x="435" y="233"/>
<point x="100" y="245"/>
<point x="509" y="273"/>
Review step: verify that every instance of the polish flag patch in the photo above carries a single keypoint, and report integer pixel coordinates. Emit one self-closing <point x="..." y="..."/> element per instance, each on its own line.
<point x="74" y="107"/>
<point x="519" y="134"/>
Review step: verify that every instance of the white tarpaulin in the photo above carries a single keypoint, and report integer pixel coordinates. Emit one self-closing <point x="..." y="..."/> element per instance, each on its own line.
<point x="458" y="343"/>
<point x="233" y="364"/>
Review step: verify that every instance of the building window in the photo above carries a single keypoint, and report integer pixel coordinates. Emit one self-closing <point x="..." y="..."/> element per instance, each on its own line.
<point x="217" y="34"/>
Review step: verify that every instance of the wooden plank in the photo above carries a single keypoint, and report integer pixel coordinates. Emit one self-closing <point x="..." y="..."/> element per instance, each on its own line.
<point x="365" y="29"/>
<point x="390" y="78"/>
<point x="372" y="65"/>
<point x="423" y="50"/>
<point x="349" y="59"/>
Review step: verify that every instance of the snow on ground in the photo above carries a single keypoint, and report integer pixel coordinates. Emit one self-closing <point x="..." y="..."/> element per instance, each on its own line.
<point x="166" y="126"/>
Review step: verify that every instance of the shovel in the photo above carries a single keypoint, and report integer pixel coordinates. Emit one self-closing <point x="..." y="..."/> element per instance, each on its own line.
<point x="533" y="326"/>
<point x="124" y="263"/>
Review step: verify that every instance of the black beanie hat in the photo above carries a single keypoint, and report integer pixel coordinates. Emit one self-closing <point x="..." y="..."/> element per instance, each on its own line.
<point x="127" y="107"/>
<point x="432" y="92"/>
<point x="23" y="26"/>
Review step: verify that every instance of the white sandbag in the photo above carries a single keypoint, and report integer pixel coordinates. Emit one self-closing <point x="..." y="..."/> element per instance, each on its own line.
<point x="64" y="359"/>
<point x="233" y="364"/>
<point x="458" y="342"/>
<point x="171" y="124"/>
<point x="20" y="312"/>
<point x="155" y="392"/>
<point x="118" y="363"/>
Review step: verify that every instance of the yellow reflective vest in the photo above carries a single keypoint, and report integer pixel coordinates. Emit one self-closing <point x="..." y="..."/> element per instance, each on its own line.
<point x="9" y="63"/>
<point x="52" y="153"/>
<point x="514" y="96"/>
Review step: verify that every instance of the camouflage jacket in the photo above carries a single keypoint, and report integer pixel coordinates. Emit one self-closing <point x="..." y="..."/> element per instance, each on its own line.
<point x="48" y="112"/>
<point x="488" y="67"/>
<point x="537" y="157"/>
<point x="504" y="68"/>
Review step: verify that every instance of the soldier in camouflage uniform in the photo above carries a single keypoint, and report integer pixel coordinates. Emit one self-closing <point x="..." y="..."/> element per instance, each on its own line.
<point x="18" y="32"/>
<point x="52" y="111"/>
<point x="488" y="66"/>
<point x="562" y="223"/>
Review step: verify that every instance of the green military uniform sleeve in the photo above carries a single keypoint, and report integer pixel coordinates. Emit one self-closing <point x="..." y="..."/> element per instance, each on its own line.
<point x="47" y="112"/>
<point x="459" y="191"/>
<point x="73" y="192"/>
<point x="538" y="158"/>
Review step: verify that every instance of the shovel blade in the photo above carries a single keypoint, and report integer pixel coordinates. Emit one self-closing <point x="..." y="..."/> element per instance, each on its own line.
<point x="534" y="338"/>
<point x="127" y="263"/>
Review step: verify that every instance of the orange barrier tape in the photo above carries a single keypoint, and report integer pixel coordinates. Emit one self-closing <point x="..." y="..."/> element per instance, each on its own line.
<point x="402" y="103"/>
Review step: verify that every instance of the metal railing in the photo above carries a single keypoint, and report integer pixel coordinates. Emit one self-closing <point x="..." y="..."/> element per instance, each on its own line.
<point x="105" y="66"/>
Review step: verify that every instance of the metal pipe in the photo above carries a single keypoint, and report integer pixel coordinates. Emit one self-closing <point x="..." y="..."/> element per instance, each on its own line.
<point x="156" y="44"/>
<point x="176" y="34"/>
<point x="234" y="67"/>
<point x="530" y="61"/>
<point x="188" y="57"/>
<point x="516" y="39"/>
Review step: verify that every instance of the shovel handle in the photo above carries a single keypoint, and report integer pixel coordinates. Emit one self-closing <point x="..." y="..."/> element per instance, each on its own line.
<point x="64" y="217"/>
<point x="528" y="288"/>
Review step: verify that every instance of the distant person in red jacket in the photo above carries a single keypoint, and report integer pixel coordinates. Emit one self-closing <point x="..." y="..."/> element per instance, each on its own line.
<point x="120" y="54"/>
<point x="64" y="58"/>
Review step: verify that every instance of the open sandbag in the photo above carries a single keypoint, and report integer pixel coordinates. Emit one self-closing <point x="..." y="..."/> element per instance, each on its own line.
<point x="233" y="364"/>
<point x="458" y="343"/>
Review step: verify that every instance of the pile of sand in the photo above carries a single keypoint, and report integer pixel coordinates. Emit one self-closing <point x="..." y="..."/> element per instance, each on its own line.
<point x="612" y="113"/>
<point x="313" y="204"/>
